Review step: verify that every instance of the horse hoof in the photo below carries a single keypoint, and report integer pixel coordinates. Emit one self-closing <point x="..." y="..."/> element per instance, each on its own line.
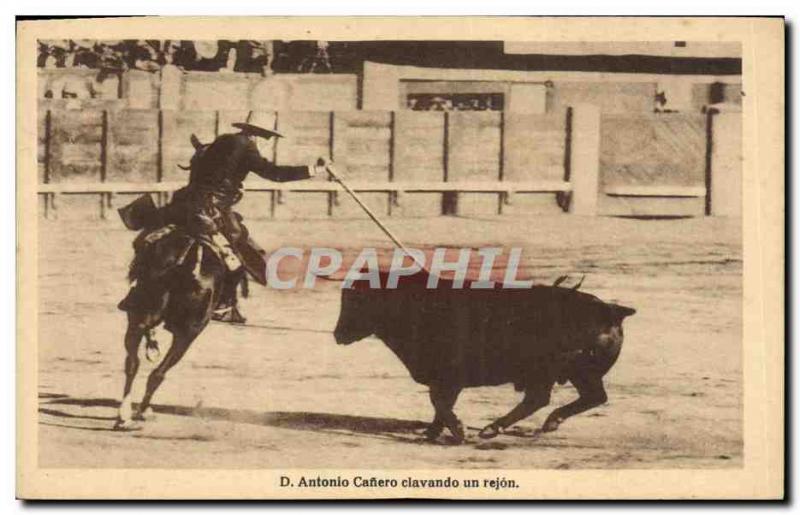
<point x="126" y="425"/>
<point x="147" y="414"/>
<point x="490" y="431"/>
<point x="551" y="425"/>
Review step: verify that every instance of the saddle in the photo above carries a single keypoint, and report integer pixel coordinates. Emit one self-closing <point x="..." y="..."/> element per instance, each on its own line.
<point x="159" y="251"/>
<point x="165" y="245"/>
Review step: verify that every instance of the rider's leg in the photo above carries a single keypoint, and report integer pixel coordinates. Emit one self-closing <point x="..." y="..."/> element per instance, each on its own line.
<point x="227" y="309"/>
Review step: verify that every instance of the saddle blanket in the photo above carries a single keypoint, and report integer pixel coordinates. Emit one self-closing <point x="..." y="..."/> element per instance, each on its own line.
<point x="217" y="244"/>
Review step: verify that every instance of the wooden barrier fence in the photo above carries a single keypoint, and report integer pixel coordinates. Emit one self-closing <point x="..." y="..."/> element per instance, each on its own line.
<point x="106" y="191"/>
<point x="461" y="157"/>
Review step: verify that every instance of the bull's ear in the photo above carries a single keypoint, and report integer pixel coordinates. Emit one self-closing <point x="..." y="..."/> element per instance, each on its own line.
<point x="195" y="142"/>
<point x="619" y="313"/>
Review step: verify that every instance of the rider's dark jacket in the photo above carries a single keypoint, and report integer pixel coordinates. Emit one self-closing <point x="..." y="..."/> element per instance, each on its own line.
<point x="225" y="163"/>
<point x="215" y="183"/>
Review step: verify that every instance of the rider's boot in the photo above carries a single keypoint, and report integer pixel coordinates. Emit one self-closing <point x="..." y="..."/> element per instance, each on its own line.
<point x="227" y="310"/>
<point x="228" y="314"/>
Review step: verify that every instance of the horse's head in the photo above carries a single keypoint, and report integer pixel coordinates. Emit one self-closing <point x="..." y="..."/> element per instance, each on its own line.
<point x="199" y="150"/>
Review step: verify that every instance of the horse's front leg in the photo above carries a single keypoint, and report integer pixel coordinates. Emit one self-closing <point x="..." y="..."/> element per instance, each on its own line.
<point x="181" y="341"/>
<point x="138" y="325"/>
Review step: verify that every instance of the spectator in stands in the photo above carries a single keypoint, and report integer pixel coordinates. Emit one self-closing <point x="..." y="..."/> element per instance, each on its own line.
<point x="247" y="56"/>
<point x="55" y="53"/>
<point x="253" y="57"/>
<point x="211" y="55"/>
<point x="83" y="54"/>
<point x="110" y="56"/>
<point x="183" y="54"/>
<point x="171" y="49"/>
<point x="144" y="55"/>
<point x="43" y="58"/>
<point x="441" y="103"/>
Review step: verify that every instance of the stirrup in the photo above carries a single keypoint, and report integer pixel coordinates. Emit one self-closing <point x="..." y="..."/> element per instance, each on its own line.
<point x="222" y="311"/>
<point x="228" y="314"/>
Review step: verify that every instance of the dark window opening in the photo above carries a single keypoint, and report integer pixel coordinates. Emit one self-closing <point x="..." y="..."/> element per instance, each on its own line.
<point x="455" y="102"/>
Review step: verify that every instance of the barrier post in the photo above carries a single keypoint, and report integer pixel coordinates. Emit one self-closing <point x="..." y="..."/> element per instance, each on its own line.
<point x="585" y="159"/>
<point x="725" y="184"/>
<point x="105" y="143"/>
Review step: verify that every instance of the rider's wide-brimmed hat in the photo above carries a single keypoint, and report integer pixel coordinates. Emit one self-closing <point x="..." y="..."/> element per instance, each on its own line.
<point x="256" y="130"/>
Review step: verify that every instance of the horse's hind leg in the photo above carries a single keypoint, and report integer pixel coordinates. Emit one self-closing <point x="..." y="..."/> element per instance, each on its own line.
<point x="138" y="325"/>
<point x="182" y="339"/>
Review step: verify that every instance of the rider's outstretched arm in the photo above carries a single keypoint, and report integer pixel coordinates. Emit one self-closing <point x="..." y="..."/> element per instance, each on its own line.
<point x="273" y="172"/>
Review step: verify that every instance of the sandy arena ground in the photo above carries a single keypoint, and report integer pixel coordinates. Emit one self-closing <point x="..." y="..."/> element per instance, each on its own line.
<point x="281" y="394"/>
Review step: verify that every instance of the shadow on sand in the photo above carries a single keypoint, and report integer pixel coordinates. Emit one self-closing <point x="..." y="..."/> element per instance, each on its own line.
<point x="395" y="429"/>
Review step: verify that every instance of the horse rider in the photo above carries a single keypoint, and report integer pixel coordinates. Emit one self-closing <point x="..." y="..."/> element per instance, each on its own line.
<point x="204" y="206"/>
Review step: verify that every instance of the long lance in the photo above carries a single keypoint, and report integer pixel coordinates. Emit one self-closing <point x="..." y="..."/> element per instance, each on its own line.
<point x="332" y="171"/>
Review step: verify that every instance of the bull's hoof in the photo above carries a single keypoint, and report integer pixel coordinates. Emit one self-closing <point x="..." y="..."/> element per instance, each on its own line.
<point x="458" y="434"/>
<point x="433" y="432"/>
<point x="126" y="425"/>
<point x="490" y="431"/>
<point x="551" y="424"/>
<point x="145" y="415"/>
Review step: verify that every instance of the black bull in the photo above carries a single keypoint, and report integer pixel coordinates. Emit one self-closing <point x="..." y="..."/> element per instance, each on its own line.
<point x="450" y="339"/>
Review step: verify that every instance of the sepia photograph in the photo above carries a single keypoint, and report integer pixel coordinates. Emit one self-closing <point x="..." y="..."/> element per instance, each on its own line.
<point x="377" y="266"/>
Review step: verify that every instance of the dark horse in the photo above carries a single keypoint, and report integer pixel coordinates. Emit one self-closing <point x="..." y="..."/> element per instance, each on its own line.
<point x="179" y="279"/>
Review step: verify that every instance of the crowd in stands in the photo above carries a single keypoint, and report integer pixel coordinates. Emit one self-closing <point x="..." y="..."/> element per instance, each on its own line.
<point x="114" y="56"/>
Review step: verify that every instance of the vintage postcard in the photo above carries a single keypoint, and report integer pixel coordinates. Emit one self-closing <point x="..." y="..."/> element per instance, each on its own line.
<point x="368" y="258"/>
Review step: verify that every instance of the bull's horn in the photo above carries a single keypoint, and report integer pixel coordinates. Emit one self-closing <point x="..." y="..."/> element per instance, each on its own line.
<point x="560" y="280"/>
<point x="184" y="167"/>
<point x="195" y="142"/>
<point x="574" y="288"/>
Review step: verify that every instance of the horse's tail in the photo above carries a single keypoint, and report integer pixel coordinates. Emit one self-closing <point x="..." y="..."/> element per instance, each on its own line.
<point x="245" y="286"/>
